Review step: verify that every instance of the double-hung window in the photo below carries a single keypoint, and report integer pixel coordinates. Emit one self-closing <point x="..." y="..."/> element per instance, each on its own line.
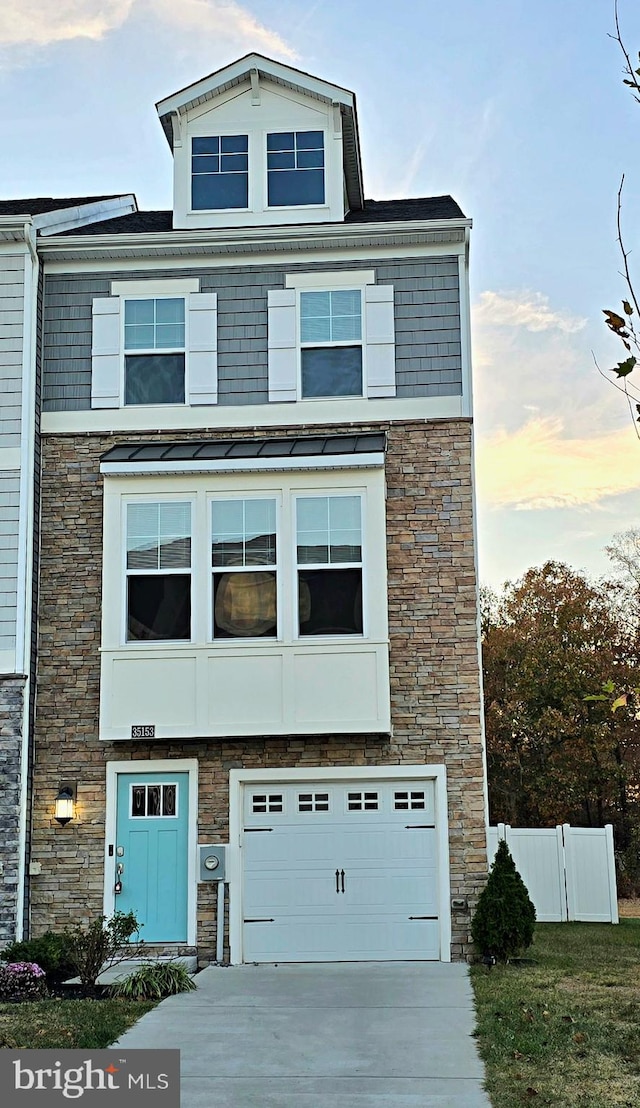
<point x="158" y="570"/>
<point x="329" y="565"/>
<point x="244" y="566"/>
<point x="154" y="350"/>
<point x="295" y="168"/>
<point x="220" y="172"/>
<point x="331" y="343"/>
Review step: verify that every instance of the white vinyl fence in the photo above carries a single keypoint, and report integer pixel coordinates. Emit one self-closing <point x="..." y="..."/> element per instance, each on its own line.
<point x="569" y="871"/>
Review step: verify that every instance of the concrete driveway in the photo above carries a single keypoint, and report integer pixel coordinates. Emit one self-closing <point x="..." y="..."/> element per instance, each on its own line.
<point x="345" y="1035"/>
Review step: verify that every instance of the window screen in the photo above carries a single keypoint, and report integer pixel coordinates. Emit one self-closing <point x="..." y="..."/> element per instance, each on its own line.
<point x="329" y="558"/>
<point x="243" y="537"/>
<point x="154" y="343"/>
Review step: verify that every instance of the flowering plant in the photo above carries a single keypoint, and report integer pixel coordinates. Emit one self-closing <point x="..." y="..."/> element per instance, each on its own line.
<point x="22" y="981"/>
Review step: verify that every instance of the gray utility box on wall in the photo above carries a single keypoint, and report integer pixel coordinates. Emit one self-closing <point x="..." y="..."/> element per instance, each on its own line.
<point x="212" y="862"/>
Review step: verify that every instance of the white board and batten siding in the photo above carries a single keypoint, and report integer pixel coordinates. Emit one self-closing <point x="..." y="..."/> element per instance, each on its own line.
<point x="569" y="871"/>
<point x="12" y="278"/>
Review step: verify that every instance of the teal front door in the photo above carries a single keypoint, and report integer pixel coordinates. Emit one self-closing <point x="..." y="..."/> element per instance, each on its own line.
<point x="150" y="862"/>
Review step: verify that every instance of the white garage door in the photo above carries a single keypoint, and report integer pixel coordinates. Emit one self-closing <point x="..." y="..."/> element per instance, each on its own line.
<point x="340" y="872"/>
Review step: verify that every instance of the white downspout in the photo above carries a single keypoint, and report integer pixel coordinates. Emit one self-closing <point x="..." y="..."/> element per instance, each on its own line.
<point x="25" y="546"/>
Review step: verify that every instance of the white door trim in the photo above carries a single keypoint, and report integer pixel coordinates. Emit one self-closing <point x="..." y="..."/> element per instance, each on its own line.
<point x="240" y="777"/>
<point x="158" y="765"/>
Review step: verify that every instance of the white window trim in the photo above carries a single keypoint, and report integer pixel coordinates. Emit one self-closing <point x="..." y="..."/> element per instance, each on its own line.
<point x="239" y="778"/>
<point x="168" y="499"/>
<point x="275" y="568"/>
<point x="363" y="565"/>
<point x="184" y="350"/>
<point x="169" y="765"/>
<point x="280" y="129"/>
<point x="222" y="133"/>
<point x="346" y="286"/>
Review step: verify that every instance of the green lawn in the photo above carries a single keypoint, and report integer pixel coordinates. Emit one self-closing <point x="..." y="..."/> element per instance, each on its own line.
<point x="564" y="1031"/>
<point x="84" y="1024"/>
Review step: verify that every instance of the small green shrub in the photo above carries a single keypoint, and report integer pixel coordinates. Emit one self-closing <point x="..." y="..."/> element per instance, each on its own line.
<point x="504" y="920"/>
<point x="154" y="981"/>
<point x="51" y="951"/>
<point x="22" y="981"/>
<point x="104" y="943"/>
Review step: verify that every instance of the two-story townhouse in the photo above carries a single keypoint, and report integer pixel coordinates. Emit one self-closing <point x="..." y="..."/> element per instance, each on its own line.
<point x="22" y="223"/>
<point x="258" y="603"/>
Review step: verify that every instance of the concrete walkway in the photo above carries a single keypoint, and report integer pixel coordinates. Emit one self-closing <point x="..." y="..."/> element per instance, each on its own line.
<point x="345" y="1035"/>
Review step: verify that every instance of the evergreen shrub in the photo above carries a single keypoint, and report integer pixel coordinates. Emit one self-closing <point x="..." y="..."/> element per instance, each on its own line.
<point x="504" y="920"/>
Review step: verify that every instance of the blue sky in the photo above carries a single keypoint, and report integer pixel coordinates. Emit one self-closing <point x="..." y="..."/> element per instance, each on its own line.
<point x="516" y="109"/>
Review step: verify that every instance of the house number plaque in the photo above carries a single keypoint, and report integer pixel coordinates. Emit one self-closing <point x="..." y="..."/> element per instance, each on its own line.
<point x="143" y="731"/>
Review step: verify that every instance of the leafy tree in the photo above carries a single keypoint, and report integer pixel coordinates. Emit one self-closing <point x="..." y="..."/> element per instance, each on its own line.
<point x="504" y="920"/>
<point x="556" y="752"/>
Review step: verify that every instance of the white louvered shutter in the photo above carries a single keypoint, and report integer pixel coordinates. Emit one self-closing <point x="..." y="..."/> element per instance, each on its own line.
<point x="106" y="356"/>
<point x="202" y="358"/>
<point x="380" y="339"/>
<point x="281" y="342"/>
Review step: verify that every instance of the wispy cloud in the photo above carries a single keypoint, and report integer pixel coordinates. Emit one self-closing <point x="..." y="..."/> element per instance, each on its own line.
<point x="538" y="466"/>
<point x="41" y="23"/>
<point x="530" y="310"/>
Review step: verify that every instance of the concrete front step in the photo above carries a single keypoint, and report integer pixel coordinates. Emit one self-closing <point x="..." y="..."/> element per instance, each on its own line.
<point x="123" y="969"/>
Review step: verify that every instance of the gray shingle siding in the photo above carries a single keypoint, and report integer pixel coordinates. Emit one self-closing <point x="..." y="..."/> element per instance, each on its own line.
<point x="11" y="347"/>
<point x="427" y="321"/>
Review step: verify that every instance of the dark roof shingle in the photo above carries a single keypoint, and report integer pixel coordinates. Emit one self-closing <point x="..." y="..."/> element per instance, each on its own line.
<point x="374" y="211"/>
<point x="38" y="205"/>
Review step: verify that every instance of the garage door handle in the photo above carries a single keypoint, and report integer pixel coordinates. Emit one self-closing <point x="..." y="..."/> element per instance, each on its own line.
<point x="342" y="878"/>
<point x="337" y="880"/>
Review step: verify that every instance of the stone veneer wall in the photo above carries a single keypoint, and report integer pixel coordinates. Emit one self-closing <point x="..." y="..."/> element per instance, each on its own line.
<point x="11" y="721"/>
<point x="435" y="692"/>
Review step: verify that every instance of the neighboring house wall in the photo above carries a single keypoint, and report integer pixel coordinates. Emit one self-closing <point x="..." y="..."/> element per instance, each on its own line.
<point x="433" y="658"/>
<point x="426" y="309"/>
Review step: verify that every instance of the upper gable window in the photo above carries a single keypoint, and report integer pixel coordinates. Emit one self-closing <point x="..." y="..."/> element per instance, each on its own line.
<point x="220" y="172"/>
<point x="331" y="343"/>
<point x="295" y="168"/>
<point x="154" y="351"/>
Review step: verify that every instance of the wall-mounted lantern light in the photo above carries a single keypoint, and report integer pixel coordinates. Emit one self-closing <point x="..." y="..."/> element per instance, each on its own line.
<point x="65" y="802"/>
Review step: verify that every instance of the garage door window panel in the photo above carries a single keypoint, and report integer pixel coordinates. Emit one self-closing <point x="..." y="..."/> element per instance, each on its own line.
<point x="243" y="545"/>
<point x="158" y="560"/>
<point x="329" y="562"/>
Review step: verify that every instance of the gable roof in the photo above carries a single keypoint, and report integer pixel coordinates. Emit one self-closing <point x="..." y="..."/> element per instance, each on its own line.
<point x="253" y="66"/>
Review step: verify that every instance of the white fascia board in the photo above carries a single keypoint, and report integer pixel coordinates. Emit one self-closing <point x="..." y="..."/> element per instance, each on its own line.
<point x="252" y="240"/>
<point x="289" y="255"/>
<point x="245" y="465"/>
<point x="67" y="219"/>
<point x="214" y="83"/>
<point x="218" y="417"/>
